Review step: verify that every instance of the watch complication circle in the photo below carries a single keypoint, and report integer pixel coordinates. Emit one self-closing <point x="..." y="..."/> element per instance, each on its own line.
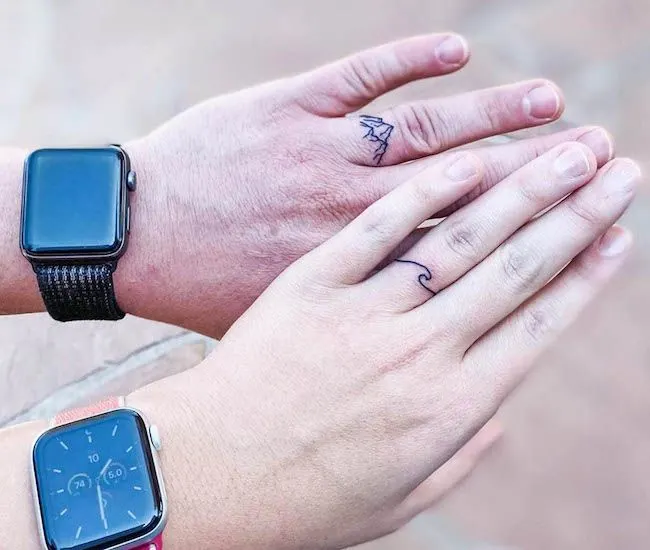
<point x="114" y="474"/>
<point x="79" y="484"/>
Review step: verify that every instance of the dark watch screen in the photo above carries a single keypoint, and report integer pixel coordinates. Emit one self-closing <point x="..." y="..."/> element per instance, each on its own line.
<point x="71" y="202"/>
<point x="96" y="483"/>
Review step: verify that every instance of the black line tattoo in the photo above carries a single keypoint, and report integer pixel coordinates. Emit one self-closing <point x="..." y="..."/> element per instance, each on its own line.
<point x="379" y="132"/>
<point x="423" y="278"/>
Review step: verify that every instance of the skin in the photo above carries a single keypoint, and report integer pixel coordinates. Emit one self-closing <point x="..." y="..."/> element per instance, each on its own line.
<point x="235" y="189"/>
<point x="386" y="383"/>
<point x="213" y="225"/>
<point x="346" y="433"/>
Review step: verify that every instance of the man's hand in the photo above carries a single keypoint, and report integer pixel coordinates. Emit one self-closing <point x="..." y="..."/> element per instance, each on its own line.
<point x="235" y="189"/>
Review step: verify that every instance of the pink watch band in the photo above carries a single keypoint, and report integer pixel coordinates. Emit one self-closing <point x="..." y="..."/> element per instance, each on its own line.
<point x="155" y="544"/>
<point x="105" y="405"/>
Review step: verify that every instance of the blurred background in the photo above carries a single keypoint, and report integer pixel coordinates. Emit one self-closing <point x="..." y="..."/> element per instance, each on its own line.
<point x="571" y="471"/>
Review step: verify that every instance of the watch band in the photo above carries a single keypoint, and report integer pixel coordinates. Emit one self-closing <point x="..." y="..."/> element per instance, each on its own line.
<point x="99" y="407"/>
<point x="79" y="291"/>
<point x="155" y="544"/>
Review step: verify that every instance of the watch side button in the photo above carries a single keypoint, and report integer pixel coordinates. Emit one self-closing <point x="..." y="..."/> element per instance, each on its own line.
<point x="154" y="435"/>
<point x="131" y="181"/>
<point x="128" y="220"/>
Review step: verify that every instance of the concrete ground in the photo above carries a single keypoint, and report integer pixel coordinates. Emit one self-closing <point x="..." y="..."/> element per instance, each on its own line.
<point x="571" y="471"/>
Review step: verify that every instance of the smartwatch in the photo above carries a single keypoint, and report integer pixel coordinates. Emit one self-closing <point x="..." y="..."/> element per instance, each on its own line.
<point x="75" y="224"/>
<point x="97" y="481"/>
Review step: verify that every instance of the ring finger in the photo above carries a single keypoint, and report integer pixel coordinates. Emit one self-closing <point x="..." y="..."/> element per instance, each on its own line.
<point x="469" y="235"/>
<point x="414" y="130"/>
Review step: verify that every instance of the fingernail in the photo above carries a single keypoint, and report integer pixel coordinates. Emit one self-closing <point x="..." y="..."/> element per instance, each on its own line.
<point x="462" y="169"/>
<point x="600" y="142"/>
<point x="622" y="175"/>
<point x="572" y="163"/>
<point x="613" y="243"/>
<point x="542" y="103"/>
<point x="452" y="51"/>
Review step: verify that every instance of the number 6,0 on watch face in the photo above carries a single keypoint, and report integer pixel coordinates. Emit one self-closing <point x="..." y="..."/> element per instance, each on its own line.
<point x="96" y="482"/>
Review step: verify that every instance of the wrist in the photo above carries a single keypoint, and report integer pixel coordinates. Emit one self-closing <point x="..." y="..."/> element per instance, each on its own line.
<point x="18" y="287"/>
<point x="176" y="269"/>
<point x="191" y="467"/>
<point x="18" y="522"/>
<point x="140" y="273"/>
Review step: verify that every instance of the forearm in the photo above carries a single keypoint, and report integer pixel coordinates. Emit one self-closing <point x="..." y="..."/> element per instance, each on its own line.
<point x="18" y="288"/>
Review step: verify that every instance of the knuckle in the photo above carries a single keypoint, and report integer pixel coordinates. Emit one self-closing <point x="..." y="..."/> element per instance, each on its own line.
<point x="521" y="267"/>
<point x="586" y="213"/>
<point x="537" y="323"/>
<point x="376" y="226"/>
<point x="464" y="239"/>
<point x="532" y="193"/>
<point x="491" y="113"/>
<point x="423" y="192"/>
<point x="363" y="76"/>
<point x="422" y="129"/>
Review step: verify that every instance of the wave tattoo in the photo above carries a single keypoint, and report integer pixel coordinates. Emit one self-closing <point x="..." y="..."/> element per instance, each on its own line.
<point x="423" y="278"/>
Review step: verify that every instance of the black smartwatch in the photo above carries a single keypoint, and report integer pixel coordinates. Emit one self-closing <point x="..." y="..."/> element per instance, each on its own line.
<point x="75" y="225"/>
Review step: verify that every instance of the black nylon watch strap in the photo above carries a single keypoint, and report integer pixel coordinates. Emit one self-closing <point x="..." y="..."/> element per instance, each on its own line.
<point x="79" y="291"/>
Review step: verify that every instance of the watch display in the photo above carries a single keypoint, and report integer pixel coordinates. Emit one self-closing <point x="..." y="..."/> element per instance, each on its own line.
<point x="96" y="483"/>
<point x="73" y="202"/>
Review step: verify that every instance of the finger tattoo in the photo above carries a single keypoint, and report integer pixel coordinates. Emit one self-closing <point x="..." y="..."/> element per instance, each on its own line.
<point x="424" y="277"/>
<point x="377" y="132"/>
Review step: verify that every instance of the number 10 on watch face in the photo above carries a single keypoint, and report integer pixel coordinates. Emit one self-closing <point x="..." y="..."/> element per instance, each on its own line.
<point x="96" y="483"/>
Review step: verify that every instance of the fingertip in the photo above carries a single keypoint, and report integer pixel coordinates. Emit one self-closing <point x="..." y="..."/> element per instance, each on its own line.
<point x="575" y="160"/>
<point x="544" y="101"/>
<point x="453" y="51"/>
<point x="622" y="175"/>
<point x="600" y="141"/>
<point x="465" y="168"/>
<point x="615" y="243"/>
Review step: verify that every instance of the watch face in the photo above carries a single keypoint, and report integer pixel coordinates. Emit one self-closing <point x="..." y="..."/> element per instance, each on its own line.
<point x="96" y="483"/>
<point x="72" y="202"/>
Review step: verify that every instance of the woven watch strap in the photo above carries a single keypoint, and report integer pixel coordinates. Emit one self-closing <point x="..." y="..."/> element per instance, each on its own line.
<point x="98" y="407"/>
<point x="78" y="292"/>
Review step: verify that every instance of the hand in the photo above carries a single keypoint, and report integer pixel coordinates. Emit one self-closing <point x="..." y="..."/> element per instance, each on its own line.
<point x="235" y="189"/>
<point x="324" y="415"/>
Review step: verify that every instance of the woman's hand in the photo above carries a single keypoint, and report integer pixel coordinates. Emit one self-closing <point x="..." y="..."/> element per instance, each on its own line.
<point x="235" y="189"/>
<point x="323" y="417"/>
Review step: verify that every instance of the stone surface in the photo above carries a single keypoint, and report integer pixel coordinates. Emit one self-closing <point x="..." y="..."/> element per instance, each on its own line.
<point x="39" y="355"/>
<point x="571" y="471"/>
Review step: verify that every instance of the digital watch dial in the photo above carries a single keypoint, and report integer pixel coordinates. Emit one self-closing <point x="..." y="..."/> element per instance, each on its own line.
<point x="97" y="483"/>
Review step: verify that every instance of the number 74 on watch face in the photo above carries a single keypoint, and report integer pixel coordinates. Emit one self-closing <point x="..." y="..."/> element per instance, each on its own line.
<point x="96" y="483"/>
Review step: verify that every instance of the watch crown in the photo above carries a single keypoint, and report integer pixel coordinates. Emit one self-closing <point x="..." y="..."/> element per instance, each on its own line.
<point x="131" y="181"/>
<point x="154" y="435"/>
